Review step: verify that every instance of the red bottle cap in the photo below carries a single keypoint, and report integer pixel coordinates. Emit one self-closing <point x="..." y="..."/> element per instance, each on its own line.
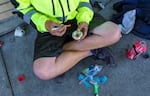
<point x="1" y="43"/>
<point x="21" y="78"/>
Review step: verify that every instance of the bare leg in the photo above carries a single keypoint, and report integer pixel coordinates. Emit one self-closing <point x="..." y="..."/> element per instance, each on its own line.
<point x="104" y="35"/>
<point x="50" y="67"/>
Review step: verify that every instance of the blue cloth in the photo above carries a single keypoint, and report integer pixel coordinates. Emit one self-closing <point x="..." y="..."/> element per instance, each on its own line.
<point x="142" y="24"/>
<point x="128" y="21"/>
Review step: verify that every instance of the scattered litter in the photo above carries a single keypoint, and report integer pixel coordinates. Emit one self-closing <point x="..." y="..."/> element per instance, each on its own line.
<point x="88" y="78"/>
<point x="145" y="56"/>
<point x="1" y="43"/>
<point x="101" y="5"/>
<point x="96" y="3"/>
<point x="138" y="48"/>
<point x="19" y="32"/>
<point x="96" y="89"/>
<point x="21" y="78"/>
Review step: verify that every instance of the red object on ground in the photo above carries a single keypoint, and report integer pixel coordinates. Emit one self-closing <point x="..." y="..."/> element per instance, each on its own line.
<point x="1" y="43"/>
<point x="138" y="48"/>
<point x="21" y="78"/>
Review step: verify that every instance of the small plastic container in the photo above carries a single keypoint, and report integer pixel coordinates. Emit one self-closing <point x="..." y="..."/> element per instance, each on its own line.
<point x="19" y="31"/>
<point x="77" y="35"/>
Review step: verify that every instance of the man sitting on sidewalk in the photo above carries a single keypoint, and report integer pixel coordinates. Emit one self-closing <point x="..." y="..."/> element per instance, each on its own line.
<point x="55" y="50"/>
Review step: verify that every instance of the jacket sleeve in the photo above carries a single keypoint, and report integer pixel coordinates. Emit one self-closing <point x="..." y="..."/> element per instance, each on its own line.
<point x="30" y="15"/>
<point x="85" y="12"/>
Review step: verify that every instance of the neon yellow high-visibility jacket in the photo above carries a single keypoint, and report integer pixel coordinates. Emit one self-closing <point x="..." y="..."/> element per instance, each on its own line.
<point x="59" y="11"/>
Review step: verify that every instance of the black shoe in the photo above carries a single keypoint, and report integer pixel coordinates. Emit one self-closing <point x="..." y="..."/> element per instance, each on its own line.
<point x="104" y="54"/>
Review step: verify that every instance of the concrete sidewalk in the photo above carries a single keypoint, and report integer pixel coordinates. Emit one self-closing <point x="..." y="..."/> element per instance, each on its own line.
<point x="128" y="78"/>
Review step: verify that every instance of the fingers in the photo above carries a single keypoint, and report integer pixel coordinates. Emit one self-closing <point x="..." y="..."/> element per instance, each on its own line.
<point x="83" y="27"/>
<point x="55" y="29"/>
<point x="62" y="30"/>
<point x="50" y="24"/>
<point x="85" y="30"/>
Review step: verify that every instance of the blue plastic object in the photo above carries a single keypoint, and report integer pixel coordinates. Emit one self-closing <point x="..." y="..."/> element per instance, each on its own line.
<point x="88" y="76"/>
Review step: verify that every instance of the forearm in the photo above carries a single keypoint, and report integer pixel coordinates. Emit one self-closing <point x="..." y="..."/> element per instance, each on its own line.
<point x="83" y="45"/>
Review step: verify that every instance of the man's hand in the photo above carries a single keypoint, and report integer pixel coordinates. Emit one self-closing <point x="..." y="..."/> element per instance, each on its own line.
<point x="83" y="27"/>
<point x="59" y="32"/>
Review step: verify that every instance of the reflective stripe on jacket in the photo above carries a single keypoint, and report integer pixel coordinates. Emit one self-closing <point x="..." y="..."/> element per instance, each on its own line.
<point x="59" y="11"/>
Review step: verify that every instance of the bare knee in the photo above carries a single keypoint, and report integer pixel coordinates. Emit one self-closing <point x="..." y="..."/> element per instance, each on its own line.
<point x="115" y="32"/>
<point x="109" y="31"/>
<point x="44" y="69"/>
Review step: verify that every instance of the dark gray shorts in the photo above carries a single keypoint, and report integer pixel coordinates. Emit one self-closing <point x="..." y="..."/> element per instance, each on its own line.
<point x="47" y="45"/>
